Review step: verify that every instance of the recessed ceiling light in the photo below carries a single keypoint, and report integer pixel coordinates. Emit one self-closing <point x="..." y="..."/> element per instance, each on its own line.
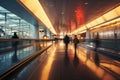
<point x="85" y="3"/>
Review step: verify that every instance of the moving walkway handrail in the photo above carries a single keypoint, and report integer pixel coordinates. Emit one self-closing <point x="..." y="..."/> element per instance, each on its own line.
<point x="36" y="44"/>
<point x="6" y="44"/>
<point x="8" y="75"/>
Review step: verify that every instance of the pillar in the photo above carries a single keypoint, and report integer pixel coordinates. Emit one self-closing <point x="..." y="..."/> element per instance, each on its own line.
<point x="87" y="36"/>
<point x="36" y="32"/>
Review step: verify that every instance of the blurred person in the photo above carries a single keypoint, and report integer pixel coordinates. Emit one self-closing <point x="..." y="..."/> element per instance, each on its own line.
<point x="75" y="41"/>
<point x="66" y="41"/>
<point x="15" y="36"/>
<point x="97" y="44"/>
<point x="14" y="45"/>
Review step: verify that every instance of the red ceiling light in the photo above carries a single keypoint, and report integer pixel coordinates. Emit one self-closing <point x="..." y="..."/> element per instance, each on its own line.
<point x="79" y="13"/>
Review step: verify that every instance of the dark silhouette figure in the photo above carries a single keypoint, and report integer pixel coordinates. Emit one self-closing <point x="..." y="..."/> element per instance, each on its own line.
<point x="75" y="41"/>
<point x="97" y="44"/>
<point x="66" y="59"/>
<point x="14" y="45"/>
<point x="66" y="41"/>
<point x="76" y="60"/>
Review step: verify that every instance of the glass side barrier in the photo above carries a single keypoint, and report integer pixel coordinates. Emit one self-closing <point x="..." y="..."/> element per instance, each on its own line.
<point x="13" y="51"/>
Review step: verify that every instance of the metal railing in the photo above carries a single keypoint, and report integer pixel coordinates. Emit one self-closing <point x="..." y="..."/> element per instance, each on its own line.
<point x="11" y="58"/>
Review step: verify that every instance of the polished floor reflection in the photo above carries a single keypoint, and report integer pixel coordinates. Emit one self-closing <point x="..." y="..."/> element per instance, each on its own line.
<point x="58" y="64"/>
<point x="9" y="59"/>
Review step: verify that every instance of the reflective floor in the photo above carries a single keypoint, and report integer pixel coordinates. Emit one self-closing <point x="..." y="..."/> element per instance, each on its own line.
<point x="58" y="64"/>
<point x="9" y="59"/>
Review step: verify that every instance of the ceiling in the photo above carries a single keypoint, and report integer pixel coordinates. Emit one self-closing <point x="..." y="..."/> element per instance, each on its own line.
<point x="14" y="7"/>
<point x="68" y="15"/>
<point x="65" y="15"/>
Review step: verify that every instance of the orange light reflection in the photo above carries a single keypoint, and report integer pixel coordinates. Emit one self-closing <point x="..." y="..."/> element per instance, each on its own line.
<point x="112" y="67"/>
<point x="46" y="70"/>
<point x="97" y="70"/>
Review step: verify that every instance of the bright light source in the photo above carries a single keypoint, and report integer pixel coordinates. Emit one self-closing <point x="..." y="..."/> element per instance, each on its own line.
<point x="45" y="37"/>
<point x="37" y="10"/>
<point x="108" y="18"/>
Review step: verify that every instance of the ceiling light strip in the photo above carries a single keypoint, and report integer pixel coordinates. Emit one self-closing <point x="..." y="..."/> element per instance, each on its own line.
<point x="37" y="10"/>
<point x="113" y="14"/>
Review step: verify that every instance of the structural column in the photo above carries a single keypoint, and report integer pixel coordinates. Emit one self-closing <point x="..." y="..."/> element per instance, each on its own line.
<point x="87" y="35"/>
<point x="36" y="31"/>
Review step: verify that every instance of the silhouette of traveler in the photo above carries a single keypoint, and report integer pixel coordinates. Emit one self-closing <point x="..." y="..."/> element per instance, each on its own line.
<point x="76" y="60"/>
<point x="14" y="45"/>
<point x="66" y="41"/>
<point x="75" y="41"/>
<point x="66" y="58"/>
<point x="97" y="44"/>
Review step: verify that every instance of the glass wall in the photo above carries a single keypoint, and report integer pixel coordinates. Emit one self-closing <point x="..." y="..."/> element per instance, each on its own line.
<point x="10" y="23"/>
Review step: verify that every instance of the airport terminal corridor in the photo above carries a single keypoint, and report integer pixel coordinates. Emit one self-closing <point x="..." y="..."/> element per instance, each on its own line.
<point x="58" y="64"/>
<point x="34" y="35"/>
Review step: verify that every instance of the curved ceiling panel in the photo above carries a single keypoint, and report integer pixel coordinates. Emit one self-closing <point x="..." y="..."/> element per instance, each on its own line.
<point x="16" y="8"/>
